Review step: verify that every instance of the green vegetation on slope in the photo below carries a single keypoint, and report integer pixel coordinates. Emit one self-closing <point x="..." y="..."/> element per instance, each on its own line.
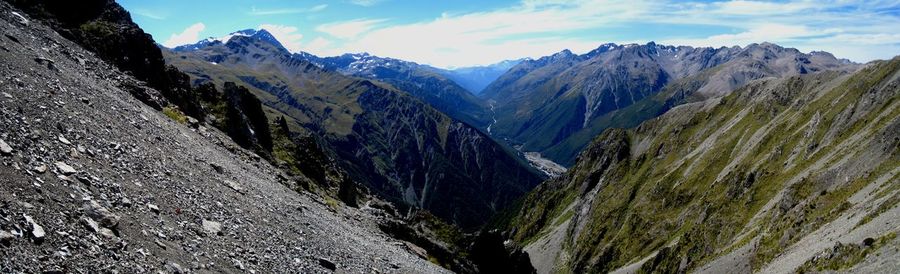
<point x="693" y="184"/>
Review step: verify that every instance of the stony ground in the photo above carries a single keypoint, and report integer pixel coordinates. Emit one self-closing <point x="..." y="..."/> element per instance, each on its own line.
<point x="94" y="181"/>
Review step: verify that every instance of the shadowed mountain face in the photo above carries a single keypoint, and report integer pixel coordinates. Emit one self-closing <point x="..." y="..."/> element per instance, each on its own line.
<point x="423" y="82"/>
<point x="398" y="146"/>
<point x="752" y="181"/>
<point x="556" y="104"/>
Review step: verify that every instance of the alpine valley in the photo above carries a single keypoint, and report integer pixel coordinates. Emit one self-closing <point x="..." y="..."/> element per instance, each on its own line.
<point x="235" y="154"/>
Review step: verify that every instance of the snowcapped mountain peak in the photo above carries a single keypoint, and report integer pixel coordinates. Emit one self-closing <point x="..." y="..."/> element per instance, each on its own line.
<point x="261" y="34"/>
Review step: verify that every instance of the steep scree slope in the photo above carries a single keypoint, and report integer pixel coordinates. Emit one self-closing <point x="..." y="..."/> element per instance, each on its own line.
<point x="95" y="181"/>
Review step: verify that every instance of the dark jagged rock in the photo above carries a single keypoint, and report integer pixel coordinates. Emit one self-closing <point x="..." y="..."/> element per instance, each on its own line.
<point x="245" y="120"/>
<point x="105" y="28"/>
<point x="491" y="255"/>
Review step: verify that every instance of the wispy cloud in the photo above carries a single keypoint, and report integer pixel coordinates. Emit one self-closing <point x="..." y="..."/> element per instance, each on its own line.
<point x="316" y="8"/>
<point x="190" y="35"/>
<point x="365" y="3"/>
<point x="289" y="36"/>
<point x="149" y="14"/>
<point x="349" y="29"/>
<point x="859" y="31"/>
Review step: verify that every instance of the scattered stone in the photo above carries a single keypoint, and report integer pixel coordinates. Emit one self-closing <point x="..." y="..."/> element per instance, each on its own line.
<point x="175" y="268"/>
<point x="160" y="244"/>
<point x="193" y="122"/>
<point x="212" y="227"/>
<point x="125" y="202"/>
<point x="5" y="149"/>
<point x="153" y="208"/>
<point x="7" y="95"/>
<point x="40" y="169"/>
<point x="96" y="228"/>
<point x="37" y="231"/>
<point x="65" y="169"/>
<point x="238" y="264"/>
<point x="6" y="238"/>
<point x="21" y="18"/>
<point x="91" y="224"/>
<point x="868" y="242"/>
<point x="421" y="252"/>
<point x="46" y="61"/>
<point x="217" y="168"/>
<point x="104" y="217"/>
<point x="327" y="264"/>
<point x="64" y="140"/>
<point x="234" y="186"/>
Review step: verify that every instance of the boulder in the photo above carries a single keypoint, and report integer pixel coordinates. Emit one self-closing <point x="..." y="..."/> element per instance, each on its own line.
<point x="37" y="231"/>
<point x="103" y="216"/>
<point x="212" y="227"/>
<point x="65" y="169"/>
<point x="5" y="149"/>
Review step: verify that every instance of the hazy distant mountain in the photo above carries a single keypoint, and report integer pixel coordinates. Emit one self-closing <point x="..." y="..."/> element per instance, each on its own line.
<point x="475" y="79"/>
<point x="424" y="82"/>
<point x="393" y="143"/>
<point x="556" y="104"/>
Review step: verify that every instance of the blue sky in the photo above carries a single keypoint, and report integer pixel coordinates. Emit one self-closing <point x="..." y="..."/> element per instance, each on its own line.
<point x="468" y="32"/>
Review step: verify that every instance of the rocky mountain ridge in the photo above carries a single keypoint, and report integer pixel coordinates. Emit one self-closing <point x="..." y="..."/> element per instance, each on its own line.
<point x="781" y="175"/>
<point x="556" y="104"/>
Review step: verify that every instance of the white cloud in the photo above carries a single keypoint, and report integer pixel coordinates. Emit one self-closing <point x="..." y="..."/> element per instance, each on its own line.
<point x="349" y="29"/>
<point x="316" y="8"/>
<point x="775" y="33"/>
<point x="484" y="37"/>
<point x="534" y="28"/>
<point x="189" y="35"/>
<point x="287" y="35"/>
<point x="321" y="46"/>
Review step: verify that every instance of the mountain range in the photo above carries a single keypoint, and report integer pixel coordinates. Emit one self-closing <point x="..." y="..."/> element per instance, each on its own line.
<point x="398" y="146"/>
<point x="783" y="174"/>
<point x="556" y="104"/>
<point x="234" y="154"/>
